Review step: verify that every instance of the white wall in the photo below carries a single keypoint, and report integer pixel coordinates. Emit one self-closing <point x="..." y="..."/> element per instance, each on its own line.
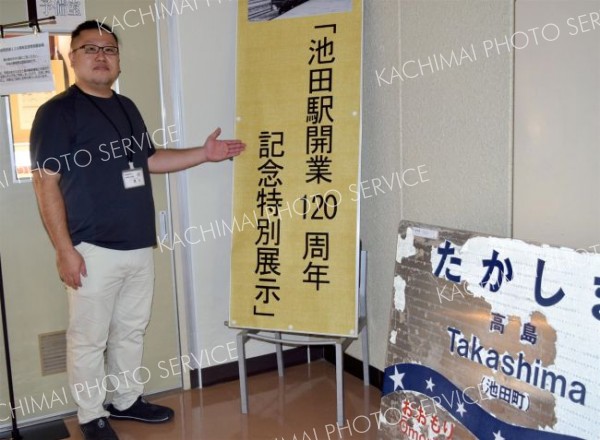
<point x="379" y="215"/>
<point x="557" y="130"/>
<point x="455" y="122"/>
<point x="458" y="121"/>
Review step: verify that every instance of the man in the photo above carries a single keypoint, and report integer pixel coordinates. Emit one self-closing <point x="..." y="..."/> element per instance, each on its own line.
<point x="91" y="157"/>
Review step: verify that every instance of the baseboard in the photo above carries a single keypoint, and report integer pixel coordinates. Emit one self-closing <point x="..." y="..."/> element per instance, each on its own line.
<point x="216" y="374"/>
<point x="354" y="367"/>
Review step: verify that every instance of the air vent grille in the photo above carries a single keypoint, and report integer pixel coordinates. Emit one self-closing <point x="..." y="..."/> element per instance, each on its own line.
<point x="53" y="352"/>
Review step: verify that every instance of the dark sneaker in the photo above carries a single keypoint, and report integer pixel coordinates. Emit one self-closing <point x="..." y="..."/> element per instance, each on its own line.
<point x="98" y="429"/>
<point x="142" y="411"/>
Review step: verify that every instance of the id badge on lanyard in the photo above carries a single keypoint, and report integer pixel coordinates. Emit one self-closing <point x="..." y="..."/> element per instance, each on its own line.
<point x="133" y="177"/>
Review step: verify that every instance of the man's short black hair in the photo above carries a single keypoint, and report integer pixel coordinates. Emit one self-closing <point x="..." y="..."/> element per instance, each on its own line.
<point x="94" y="25"/>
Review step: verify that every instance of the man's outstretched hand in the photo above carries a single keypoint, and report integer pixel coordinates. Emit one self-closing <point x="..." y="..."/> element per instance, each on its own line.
<point x="217" y="150"/>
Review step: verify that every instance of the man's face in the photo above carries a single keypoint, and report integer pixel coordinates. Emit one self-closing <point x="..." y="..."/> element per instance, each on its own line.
<point x="95" y="70"/>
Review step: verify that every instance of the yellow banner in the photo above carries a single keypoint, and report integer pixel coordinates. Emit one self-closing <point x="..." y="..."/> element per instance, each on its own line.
<point x="295" y="242"/>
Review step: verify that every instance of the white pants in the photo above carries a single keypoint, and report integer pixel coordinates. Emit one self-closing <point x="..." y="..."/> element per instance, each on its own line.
<point x="110" y="312"/>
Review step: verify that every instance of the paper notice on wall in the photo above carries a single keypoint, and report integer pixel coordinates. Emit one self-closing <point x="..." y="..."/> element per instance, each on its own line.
<point x="25" y="64"/>
<point x="68" y="13"/>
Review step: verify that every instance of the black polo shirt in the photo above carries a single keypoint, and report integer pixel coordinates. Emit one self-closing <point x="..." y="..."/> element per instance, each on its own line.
<point x="87" y="140"/>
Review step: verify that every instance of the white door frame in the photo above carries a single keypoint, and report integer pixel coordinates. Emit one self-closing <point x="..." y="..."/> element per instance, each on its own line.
<point x="181" y="257"/>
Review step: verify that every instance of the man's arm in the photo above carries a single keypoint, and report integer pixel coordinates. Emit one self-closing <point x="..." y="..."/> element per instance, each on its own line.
<point x="51" y="204"/>
<point x="214" y="150"/>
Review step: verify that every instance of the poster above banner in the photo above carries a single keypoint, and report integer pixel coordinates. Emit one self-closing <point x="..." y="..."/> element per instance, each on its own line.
<point x="261" y="10"/>
<point x="295" y="250"/>
<point x="25" y="64"/>
<point x="491" y="338"/>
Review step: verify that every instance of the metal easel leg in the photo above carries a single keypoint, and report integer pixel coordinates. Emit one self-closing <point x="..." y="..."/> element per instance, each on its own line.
<point x="279" y="354"/>
<point x="339" y="379"/>
<point x="241" y="349"/>
<point x="364" y="333"/>
<point x="364" y="336"/>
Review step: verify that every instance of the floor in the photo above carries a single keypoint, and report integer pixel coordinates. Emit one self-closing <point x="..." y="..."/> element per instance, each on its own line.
<point x="299" y="406"/>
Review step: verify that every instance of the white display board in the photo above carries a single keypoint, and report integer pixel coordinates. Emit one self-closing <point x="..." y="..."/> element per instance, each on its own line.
<point x="491" y="338"/>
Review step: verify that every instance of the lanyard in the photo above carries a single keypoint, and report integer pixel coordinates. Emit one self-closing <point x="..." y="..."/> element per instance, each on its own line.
<point x="128" y="151"/>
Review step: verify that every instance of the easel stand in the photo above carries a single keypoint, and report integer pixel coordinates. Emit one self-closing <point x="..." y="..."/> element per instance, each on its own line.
<point x="340" y="346"/>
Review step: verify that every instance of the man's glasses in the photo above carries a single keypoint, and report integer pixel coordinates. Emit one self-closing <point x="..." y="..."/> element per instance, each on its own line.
<point x="92" y="49"/>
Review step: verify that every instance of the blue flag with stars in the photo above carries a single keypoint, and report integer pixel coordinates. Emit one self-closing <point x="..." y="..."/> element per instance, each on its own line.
<point x="424" y="380"/>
